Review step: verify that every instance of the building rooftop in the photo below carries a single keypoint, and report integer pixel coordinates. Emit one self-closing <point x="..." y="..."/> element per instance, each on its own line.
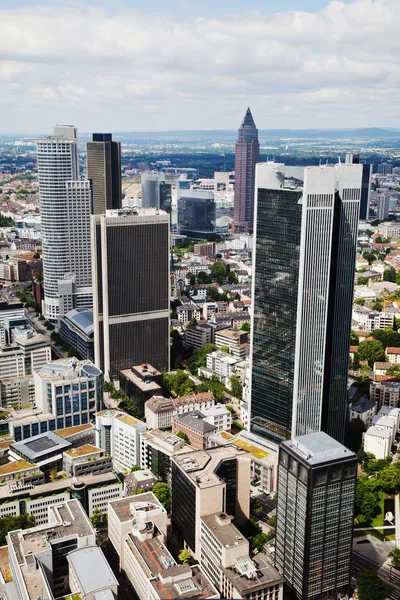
<point x="379" y="432"/>
<point x="318" y="448"/>
<point x="128" y="419"/>
<point x="391" y="350"/>
<point x="122" y="507"/>
<point x="158" y="404"/>
<point x="362" y="404"/>
<point x="193" y="399"/>
<point x="5" y="564"/>
<point x="164" y="440"/>
<point x="383" y="365"/>
<point x="147" y="385"/>
<point x="249" y="575"/>
<point x="92" y="569"/>
<point x="14" y="467"/>
<point x="255" y="451"/>
<point x="221" y="526"/>
<point x="65" y="433"/>
<point x="83" y="451"/>
<point x="82" y="319"/>
<point x="40" y="445"/>
<point x="384" y="421"/>
<point x="68" y="369"/>
<point x="195" y="420"/>
<point x="142" y="475"/>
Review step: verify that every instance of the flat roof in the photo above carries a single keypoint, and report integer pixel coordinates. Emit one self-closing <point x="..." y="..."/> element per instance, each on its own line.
<point x="68" y="369"/>
<point x="65" y="433"/>
<point x="194" y="420"/>
<point x="200" y="465"/>
<point x="92" y="569"/>
<point x="221" y="526"/>
<point x="39" y="445"/>
<point x="82" y="450"/>
<point x="318" y="448"/>
<point x="121" y="507"/>
<point x="263" y="575"/>
<point x="13" y="467"/>
<point x="378" y="432"/>
<point x="140" y="383"/>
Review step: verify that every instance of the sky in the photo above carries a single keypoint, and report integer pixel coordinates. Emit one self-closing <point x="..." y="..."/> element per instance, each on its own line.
<point x="148" y="65"/>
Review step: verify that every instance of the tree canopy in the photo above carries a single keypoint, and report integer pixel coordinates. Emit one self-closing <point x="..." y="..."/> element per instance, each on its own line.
<point x="370" y="586"/>
<point x="372" y="351"/>
<point x="184" y="556"/>
<point x="387" y="337"/>
<point x="162" y="492"/>
<point x="10" y="523"/>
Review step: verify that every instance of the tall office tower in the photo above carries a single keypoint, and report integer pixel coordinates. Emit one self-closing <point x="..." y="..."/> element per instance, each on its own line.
<point x="382" y="211"/>
<point x="315" y="513"/>
<point x="130" y="258"/>
<point x="365" y="185"/>
<point x="57" y="163"/>
<point x="247" y="155"/>
<point x="156" y="193"/>
<point x="196" y="213"/>
<point x="103" y="158"/>
<point x="305" y="249"/>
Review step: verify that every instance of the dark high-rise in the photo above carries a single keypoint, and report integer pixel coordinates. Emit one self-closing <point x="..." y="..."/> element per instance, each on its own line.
<point x="247" y="154"/>
<point x="130" y="256"/>
<point x="315" y="515"/>
<point x="103" y="158"/>
<point x="306" y="225"/>
<point x="365" y="186"/>
<point x="196" y="213"/>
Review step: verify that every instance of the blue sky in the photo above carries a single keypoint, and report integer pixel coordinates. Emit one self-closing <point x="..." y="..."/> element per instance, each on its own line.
<point x="134" y="65"/>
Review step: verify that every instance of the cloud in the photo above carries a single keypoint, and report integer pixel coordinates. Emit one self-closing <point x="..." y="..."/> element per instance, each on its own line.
<point x="132" y="70"/>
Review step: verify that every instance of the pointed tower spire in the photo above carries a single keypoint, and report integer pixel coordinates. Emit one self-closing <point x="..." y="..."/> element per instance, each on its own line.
<point x="248" y="120"/>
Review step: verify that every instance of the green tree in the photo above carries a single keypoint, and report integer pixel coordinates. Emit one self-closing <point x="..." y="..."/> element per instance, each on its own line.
<point x="387" y="337"/>
<point x="256" y="506"/>
<point x="183" y="437"/>
<point x="363" y="383"/>
<point x="224" y="349"/>
<point x="236" y="386"/>
<point x="245" y="327"/>
<point x="162" y="492"/>
<point x="366" y="498"/>
<point x="370" y="586"/>
<point x="389" y="275"/>
<point x="136" y="468"/>
<point x="362" y="281"/>
<point x="389" y="479"/>
<point x="192" y="323"/>
<point x="203" y="277"/>
<point x="377" y="306"/>
<point x="192" y="280"/>
<point x="359" y="301"/>
<point x="99" y="520"/>
<point x="372" y="351"/>
<point x="184" y="556"/>
<point x="232" y="277"/>
<point x="395" y="556"/>
<point x="354" y="338"/>
<point x="9" y="523"/>
<point x="218" y="269"/>
<point x="272" y="521"/>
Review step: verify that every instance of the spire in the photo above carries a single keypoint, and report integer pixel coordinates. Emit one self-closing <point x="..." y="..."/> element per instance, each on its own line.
<point x="248" y="120"/>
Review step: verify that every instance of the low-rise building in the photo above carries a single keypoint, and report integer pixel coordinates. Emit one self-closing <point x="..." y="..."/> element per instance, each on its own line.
<point x="140" y="383"/>
<point x="378" y="441"/>
<point x="187" y="312"/>
<point x="380" y="368"/>
<point x="226" y="561"/>
<point x="362" y="408"/>
<point x="219" y="416"/>
<point x="44" y="450"/>
<point x="90" y="575"/>
<point x="236" y="341"/>
<point x="393" y="355"/>
<point x="198" y="336"/>
<point x="117" y="433"/>
<point x="385" y="393"/>
<point x="196" y="428"/>
<point x="391" y="412"/>
<point x="85" y="460"/>
<point x="139" y="480"/>
<point x="221" y="363"/>
<point x="386" y="421"/>
<point x="160" y="411"/>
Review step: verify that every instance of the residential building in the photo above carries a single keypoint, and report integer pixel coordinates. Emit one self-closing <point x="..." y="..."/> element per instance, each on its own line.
<point x="380" y="368"/>
<point x="315" y="513"/>
<point x="77" y="329"/>
<point x="221" y="363"/>
<point x="201" y="401"/>
<point x="247" y="154"/>
<point x="186" y="312"/>
<point x="157" y="448"/>
<point x="204" y="249"/>
<point x="362" y="408"/>
<point x="393" y="355"/>
<point x="244" y="414"/>
<point x="159" y="412"/>
<point x="391" y="412"/>
<point x="71" y="390"/>
<point x="206" y="482"/>
<point x="156" y="193"/>
<point x="226" y="561"/>
<point x="103" y="157"/>
<point x="139" y="480"/>
<point x="218" y="416"/>
<point x="304" y="259"/>
<point x="237" y="342"/>
<point x="140" y="383"/>
<point x="386" y="422"/>
<point x="17" y="392"/>
<point x="196" y="213"/>
<point x="135" y="307"/>
<point x="378" y="441"/>
<point x="196" y="428"/>
<point x="41" y="564"/>
<point x="118" y="434"/>
<point x="12" y="361"/>
<point x="137" y="528"/>
<point x="385" y="393"/>
<point x="198" y="336"/>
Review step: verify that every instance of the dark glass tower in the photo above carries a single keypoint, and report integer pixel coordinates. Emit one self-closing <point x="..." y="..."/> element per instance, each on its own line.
<point x="315" y="512"/>
<point x="196" y="213"/>
<point x="103" y="158"/>
<point x="305" y="248"/>
<point x="247" y="155"/>
<point x="130" y="257"/>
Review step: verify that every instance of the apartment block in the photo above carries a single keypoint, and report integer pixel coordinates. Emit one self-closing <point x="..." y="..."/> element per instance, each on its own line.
<point x="157" y="448"/>
<point x="117" y="433"/>
<point x="385" y="393"/>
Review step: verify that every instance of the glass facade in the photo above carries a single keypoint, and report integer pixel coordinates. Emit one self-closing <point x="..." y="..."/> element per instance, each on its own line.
<point x="196" y="212"/>
<point x="277" y="258"/>
<point x="183" y="506"/>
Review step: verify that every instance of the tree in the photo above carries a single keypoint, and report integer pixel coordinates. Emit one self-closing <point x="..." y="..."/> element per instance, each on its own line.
<point x="389" y="275"/>
<point x="136" y="468"/>
<point x="236" y="386"/>
<point x="366" y="498"/>
<point x="203" y="277"/>
<point x="377" y="306"/>
<point x="218" y="269"/>
<point x="99" y="520"/>
<point x="372" y="351"/>
<point x="183" y="437"/>
<point x="272" y="521"/>
<point x="370" y="586"/>
<point x="245" y="327"/>
<point x="395" y="556"/>
<point x="192" y="280"/>
<point x="359" y="301"/>
<point x="162" y="492"/>
<point x="362" y="281"/>
<point x="389" y="479"/>
<point x="387" y="337"/>
<point x="11" y="523"/>
<point x="256" y="506"/>
<point x="224" y="349"/>
<point x="192" y="323"/>
<point x="363" y="384"/>
<point x="184" y="556"/>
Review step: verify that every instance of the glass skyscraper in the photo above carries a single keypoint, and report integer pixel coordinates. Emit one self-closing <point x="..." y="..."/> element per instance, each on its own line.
<point x="196" y="213"/>
<point x="305" y="247"/>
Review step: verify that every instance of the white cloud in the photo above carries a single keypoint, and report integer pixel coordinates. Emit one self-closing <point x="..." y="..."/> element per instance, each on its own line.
<point x="132" y="70"/>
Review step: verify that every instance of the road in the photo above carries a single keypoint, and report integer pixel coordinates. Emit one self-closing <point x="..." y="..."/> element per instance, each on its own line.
<point x="388" y="574"/>
<point x="37" y="325"/>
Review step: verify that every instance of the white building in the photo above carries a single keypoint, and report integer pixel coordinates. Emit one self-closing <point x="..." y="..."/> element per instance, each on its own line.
<point x="368" y="320"/>
<point x="386" y="422"/>
<point x="389" y="230"/>
<point x="90" y="575"/>
<point x="12" y="310"/>
<point x="393" y="355"/>
<point x="221" y="363"/>
<point x="118" y="434"/>
<point x="159" y="412"/>
<point x="219" y="416"/>
<point x="382" y="211"/>
<point x="378" y="441"/>
<point x="362" y="408"/>
<point x="244" y="414"/>
<point x="391" y="412"/>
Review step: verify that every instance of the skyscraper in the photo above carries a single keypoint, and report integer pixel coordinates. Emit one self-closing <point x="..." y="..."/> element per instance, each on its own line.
<point x="103" y="158"/>
<point x="247" y="154"/>
<point x="61" y="213"/>
<point x="305" y="247"/>
<point x="365" y="186"/>
<point x="196" y="212"/>
<point x="156" y="193"/>
<point x="315" y="514"/>
<point x="130" y="257"/>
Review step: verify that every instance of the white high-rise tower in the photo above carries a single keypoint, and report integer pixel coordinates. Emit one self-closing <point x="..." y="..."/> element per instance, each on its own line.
<point x="65" y="209"/>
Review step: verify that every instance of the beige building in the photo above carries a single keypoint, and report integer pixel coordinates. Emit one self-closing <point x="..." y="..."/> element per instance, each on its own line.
<point x="205" y="482"/>
<point x="385" y="393"/>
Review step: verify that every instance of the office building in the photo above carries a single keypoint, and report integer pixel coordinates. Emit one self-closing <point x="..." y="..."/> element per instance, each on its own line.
<point x="196" y="213"/>
<point x="156" y="193"/>
<point x="157" y="448"/>
<point x="225" y="559"/>
<point x="76" y="328"/>
<point x="130" y="250"/>
<point x="58" y="559"/>
<point x="206" y="482"/>
<point x="365" y="184"/>
<point x="382" y="210"/>
<point x="103" y="158"/>
<point x="315" y="514"/>
<point x="71" y="390"/>
<point x="198" y="336"/>
<point x="118" y="434"/>
<point x="137" y="528"/>
<point x="10" y="312"/>
<point x="57" y="163"/>
<point x="247" y="155"/>
<point x="17" y="392"/>
<point x="303" y="284"/>
<point x="385" y="169"/>
<point x="140" y="383"/>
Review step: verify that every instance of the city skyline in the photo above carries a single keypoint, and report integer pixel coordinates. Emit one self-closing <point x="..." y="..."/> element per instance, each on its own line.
<point x="325" y="73"/>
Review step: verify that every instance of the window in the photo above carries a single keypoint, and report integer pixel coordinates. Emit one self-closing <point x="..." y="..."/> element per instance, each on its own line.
<point x="77" y="420"/>
<point x="52" y="425"/>
<point x="58" y="390"/>
<point x="60" y="423"/>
